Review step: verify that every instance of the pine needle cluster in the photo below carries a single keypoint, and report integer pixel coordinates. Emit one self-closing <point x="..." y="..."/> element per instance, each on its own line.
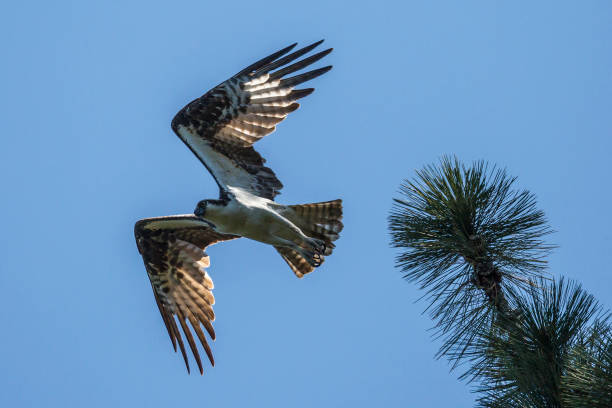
<point x="475" y="244"/>
<point x="526" y="362"/>
<point x="471" y="241"/>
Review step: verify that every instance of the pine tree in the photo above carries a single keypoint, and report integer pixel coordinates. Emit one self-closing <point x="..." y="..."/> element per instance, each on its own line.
<point x="476" y="246"/>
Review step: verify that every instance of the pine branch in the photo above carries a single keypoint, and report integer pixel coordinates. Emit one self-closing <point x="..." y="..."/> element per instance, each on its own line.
<point x="472" y="242"/>
<point x="524" y="363"/>
<point x="588" y="380"/>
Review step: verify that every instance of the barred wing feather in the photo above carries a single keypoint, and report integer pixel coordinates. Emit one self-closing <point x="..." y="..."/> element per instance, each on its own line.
<point x="172" y="249"/>
<point x="221" y="127"/>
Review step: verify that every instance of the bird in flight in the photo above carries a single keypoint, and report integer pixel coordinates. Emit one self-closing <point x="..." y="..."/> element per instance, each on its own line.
<point x="220" y="128"/>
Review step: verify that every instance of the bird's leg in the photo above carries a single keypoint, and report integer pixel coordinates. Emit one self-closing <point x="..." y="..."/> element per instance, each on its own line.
<point x="317" y="245"/>
<point x="315" y="251"/>
<point x="310" y="249"/>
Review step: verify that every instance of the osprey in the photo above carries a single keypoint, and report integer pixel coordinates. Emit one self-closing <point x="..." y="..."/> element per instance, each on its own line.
<point x="220" y="128"/>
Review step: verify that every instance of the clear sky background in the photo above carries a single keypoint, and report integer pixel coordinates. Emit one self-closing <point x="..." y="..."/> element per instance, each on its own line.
<point x="88" y="90"/>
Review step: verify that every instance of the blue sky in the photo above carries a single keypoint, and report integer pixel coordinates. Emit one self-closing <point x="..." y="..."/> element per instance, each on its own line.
<point x="88" y="92"/>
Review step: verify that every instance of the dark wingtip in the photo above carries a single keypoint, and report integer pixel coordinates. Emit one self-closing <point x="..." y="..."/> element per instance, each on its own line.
<point x="285" y="50"/>
<point x="300" y="64"/>
<point x="307" y="76"/>
<point x="300" y="93"/>
<point x="266" y="60"/>
<point x="316" y="44"/>
<point x="293" y="107"/>
<point x="288" y="58"/>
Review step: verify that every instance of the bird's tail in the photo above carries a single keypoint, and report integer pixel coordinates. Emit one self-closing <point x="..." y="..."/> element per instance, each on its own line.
<point x="321" y="221"/>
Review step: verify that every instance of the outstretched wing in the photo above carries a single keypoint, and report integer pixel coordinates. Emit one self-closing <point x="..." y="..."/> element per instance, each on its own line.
<point x="221" y="126"/>
<point x="173" y="252"/>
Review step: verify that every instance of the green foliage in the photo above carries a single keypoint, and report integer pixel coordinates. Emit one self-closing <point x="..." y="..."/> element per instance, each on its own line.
<point x="523" y="362"/>
<point x="588" y="380"/>
<point x="471" y="241"/>
<point x="476" y="245"/>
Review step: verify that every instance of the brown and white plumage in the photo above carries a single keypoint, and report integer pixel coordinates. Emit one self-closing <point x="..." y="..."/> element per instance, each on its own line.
<point x="221" y="126"/>
<point x="318" y="220"/>
<point x="173" y="251"/>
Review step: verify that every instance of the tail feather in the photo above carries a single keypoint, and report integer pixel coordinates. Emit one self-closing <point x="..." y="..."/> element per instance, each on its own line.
<point x="319" y="211"/>
<point x="320" y="220"/>
<point x="316" y="220"/>
<point x="296" y="262"/>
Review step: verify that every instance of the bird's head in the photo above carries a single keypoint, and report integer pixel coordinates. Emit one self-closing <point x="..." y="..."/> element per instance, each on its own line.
<point x="200" y="209"/>
<point x="210" y="209"/>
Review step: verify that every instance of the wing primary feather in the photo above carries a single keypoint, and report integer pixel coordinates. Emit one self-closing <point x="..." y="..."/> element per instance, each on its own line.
<point x="273" y="111"/>
<point x="298" y="79"/>
<point x="261" y="120"/>
<point x="202" y="316"/>
<point x="202" y="309"/>
<point x="287" y="99"/>
<point x="253" y="129"/>
<point x="299" y="65"/>
<point x="286" y="59"/>
<point x="165" y="318"/>
<point x="196" y="327"/>
<point x="207" y="297"/>
<point x="194" y="312"/>
<point x="266" y="60"/>
<point x="209" y="328"/>
<point x="189" y="336"/>
<point x="300" y="93"/>
<point x="180" y="342"/>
